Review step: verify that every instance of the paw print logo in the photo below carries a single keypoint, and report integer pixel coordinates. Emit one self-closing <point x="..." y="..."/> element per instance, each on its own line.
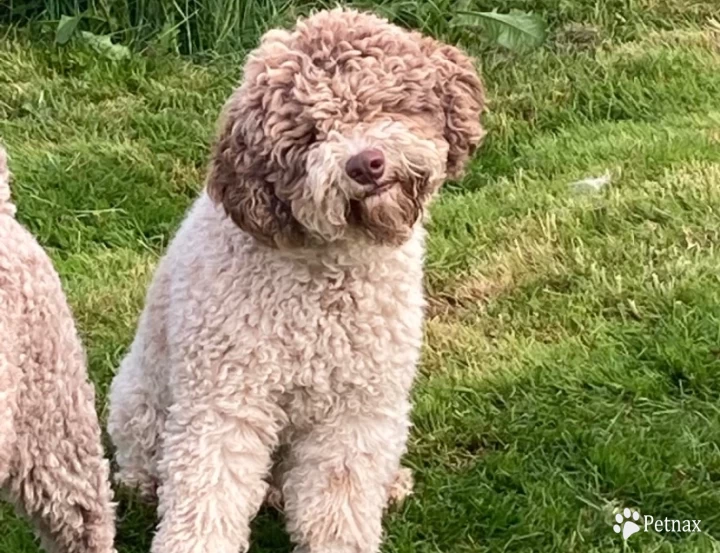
<point x="625" y="523"/>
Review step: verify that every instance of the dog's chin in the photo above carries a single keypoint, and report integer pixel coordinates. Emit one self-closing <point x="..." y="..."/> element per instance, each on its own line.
<point x="386" y="215"/>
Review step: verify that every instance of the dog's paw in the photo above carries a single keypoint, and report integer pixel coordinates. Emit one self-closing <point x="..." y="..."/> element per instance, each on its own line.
<point x="274" y="498"/>
<point x="144" y="486"/>
<point x="401" y="487"/>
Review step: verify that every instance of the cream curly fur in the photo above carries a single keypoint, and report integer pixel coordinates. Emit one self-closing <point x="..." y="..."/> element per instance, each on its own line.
<point x="283" y="327"/>
<point x="51" y="459"/>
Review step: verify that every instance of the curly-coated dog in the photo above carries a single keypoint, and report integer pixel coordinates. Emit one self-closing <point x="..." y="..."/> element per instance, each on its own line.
<point x="283" y="327"/>
<point x="51" y="459"/>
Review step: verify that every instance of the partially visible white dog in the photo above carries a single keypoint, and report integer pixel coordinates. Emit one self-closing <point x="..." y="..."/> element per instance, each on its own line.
<point x="52" y="466"/>
<point x="283" y="328"/>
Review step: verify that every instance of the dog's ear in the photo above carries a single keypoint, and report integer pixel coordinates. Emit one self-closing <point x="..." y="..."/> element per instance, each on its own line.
<point x="463" y="99"/>
<point x="238" y="180"/>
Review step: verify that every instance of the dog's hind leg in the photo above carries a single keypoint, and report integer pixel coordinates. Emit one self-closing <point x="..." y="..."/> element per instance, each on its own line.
<point x="401" y="486"/>
<point x="137" y="402"/>
<point x="135" y="423"/>
<point x="60" y="478"/>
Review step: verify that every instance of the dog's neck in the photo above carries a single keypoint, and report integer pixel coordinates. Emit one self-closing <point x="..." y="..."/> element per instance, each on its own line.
<point x="359" y="252"/>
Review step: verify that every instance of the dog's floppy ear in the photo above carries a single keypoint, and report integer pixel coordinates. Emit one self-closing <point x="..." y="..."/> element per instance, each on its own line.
<point x="238" y="180"/>
<point x="463" y="98"/>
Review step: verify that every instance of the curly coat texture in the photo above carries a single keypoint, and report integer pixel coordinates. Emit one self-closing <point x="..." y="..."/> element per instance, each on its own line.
<point x="281" y="333"/>
<point x="51" y="458"/>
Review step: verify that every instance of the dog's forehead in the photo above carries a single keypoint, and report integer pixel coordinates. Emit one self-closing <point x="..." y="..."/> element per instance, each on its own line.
<point x="343" y="66"/>
<point x="340" y="36"/>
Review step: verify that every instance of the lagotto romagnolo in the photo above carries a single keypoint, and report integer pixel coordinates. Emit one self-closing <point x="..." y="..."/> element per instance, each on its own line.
<point x="281" y="333"/>
<point x="51" y="457"/>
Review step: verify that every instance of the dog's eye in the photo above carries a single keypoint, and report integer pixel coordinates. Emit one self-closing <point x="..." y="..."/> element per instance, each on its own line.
<point x="315" y="136"/>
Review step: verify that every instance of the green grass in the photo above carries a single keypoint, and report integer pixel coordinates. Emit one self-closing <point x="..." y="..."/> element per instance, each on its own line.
<point x="224" y="26"/>
<point x="572" y="360"/>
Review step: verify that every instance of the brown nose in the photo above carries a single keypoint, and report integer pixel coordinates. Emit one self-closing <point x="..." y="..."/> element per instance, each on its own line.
<point x="366" y="167"/>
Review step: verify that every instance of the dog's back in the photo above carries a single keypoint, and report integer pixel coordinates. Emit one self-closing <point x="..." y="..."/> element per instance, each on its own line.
<point x="51" y="458"/>
<point x="37" y="325"/>
<point x="8" y="314"/>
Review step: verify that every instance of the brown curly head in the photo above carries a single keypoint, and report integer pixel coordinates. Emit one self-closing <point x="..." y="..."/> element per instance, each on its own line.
<point x="344" y="127"/>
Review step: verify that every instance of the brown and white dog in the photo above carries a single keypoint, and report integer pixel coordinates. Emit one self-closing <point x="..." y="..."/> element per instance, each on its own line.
<point x="283" y="327"/>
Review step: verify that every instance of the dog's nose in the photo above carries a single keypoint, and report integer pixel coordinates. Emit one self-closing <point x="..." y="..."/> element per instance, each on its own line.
<point x="366" y="167"/>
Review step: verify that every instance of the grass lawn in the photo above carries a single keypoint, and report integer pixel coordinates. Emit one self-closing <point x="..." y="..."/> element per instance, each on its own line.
<point x="572" y="360"/>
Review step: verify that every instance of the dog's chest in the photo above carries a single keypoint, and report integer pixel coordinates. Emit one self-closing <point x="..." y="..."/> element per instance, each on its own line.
<point x="346" y="341"/>
<point x="345" y="329"/>
<point x="324" y="334"/>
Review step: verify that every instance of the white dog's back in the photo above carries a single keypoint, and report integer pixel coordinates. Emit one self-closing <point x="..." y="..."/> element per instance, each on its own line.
<point x="51" y="458"/>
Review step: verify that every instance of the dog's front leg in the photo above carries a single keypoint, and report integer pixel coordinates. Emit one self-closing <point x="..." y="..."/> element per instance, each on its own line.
<point x="216" y="453"/>
<point x="337" y="485"/>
